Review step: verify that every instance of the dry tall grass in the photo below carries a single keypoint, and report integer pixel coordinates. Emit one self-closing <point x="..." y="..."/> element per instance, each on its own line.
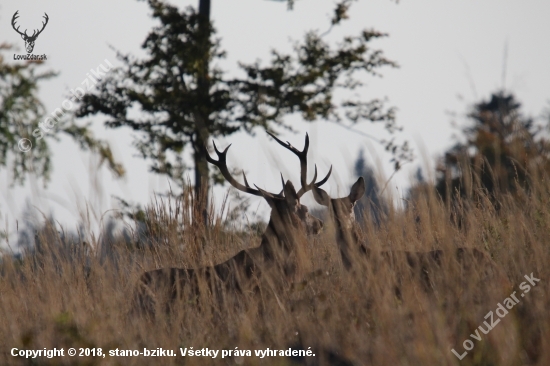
<point x="68" y="295"/>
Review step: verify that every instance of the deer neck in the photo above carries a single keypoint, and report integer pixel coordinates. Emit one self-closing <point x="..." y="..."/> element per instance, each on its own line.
<point x="278" y="238"/>
<point x="347" y="236"/>
<point x="280" y="243"/>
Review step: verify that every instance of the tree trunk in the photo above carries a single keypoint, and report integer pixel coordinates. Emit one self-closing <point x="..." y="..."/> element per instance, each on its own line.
<point x="201" y="181"/>
<point x="204" y="9"/>
<point x="202" y="122"/>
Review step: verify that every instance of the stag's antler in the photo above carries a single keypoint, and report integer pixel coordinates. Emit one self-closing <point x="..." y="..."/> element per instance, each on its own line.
<point x="34" y="34"/>
<point x="221" y="163"/>
<point x="13" y="19"/>
<point x="43" y="26"/>
<point x="302" y="155"/>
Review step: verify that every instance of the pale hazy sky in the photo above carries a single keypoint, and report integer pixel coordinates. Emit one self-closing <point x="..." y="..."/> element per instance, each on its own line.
<point x="450" y="54"/>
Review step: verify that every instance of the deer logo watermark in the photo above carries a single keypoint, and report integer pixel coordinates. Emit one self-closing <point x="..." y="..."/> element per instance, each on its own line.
<point x="29" y="40"/>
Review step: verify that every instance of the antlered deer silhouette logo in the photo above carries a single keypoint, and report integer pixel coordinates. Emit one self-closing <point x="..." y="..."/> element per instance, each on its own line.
<point x="29" y="40"/>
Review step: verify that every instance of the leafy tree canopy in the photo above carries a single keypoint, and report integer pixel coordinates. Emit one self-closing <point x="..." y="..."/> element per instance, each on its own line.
<point x="503" y="150"/>
<point x="177" y="97"/>
<point x="23" y="144"/>
<point x="20" y="113"/>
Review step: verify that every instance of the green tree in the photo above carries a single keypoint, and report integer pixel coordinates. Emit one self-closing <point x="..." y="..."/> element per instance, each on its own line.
<point x="20" y="112"/>
<point x="23" y="146"/>
<point x="503" y="151"/>
<point x="184" y="99"/>
<point x="372" y="205"/>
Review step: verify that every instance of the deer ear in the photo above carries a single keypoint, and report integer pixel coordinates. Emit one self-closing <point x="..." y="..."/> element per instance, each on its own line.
<point x="357" y="190"/>
<point x="290" y="193"/>
<point x="321" y="197"/>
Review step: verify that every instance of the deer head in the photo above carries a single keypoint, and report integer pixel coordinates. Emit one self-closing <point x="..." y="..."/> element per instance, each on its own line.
<point x="29" y="40"/>
<point x="341" y="213"/>
<point x="288" y="215"/>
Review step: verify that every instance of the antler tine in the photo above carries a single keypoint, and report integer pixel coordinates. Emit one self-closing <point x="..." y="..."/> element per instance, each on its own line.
<point x="314" y="176"/>
<point x="282" y="181"/>
<point x="318" y="184"/>
<point x="245" y="181"/>
<point x="13" y="19"/>
<point x="302" y="155"/>
<point x="267" y="194"/>
<point x="44" y="23"/>
<point x="324" y="180"/>
<point x="290" y="147"/>
<point x="308" y="187"/>
<point x="221" y="163"/>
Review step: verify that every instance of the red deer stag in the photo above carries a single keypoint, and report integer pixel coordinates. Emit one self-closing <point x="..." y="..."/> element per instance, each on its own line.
<point x="290" y="221"/>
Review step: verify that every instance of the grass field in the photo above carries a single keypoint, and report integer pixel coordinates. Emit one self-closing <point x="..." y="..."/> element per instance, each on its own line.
<point x="80" y="295"/>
